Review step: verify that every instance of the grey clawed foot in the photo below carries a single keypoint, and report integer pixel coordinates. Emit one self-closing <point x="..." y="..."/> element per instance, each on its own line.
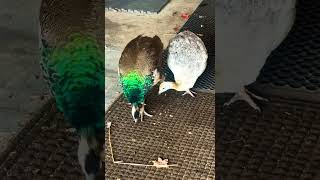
<point x="191" y="93"/>
<point x="147" y="114"/>
<point x="243" y="94"/>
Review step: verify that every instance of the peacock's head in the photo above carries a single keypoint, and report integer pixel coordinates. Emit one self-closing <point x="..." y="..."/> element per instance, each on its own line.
<point x="134" y="91"/>
<point x="137" y="111"/>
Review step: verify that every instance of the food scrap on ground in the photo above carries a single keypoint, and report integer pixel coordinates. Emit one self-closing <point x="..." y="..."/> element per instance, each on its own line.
<point x="161" y="163"/>
<point x="185" y="16"/>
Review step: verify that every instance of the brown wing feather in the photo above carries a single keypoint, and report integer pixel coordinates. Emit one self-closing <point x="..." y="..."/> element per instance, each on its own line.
<point x="142" y="54"/>
<point x="60" y="18"/>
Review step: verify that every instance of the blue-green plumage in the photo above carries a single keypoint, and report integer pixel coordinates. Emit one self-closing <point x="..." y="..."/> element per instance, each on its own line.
<point x="75" y="73"/>
<point x="136" y="86"/>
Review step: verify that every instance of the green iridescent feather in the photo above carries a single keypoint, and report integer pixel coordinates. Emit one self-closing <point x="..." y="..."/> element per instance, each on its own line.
<point x="136" y="86"/>
<point x="76" y="77"/>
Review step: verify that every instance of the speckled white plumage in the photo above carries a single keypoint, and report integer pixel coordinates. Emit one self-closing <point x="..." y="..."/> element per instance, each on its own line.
<point x="187" y="59"/>
<point x="247" y="31"/>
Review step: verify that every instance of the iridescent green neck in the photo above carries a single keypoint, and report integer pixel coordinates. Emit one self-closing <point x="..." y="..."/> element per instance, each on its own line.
<point x="135" y="86"/>
<point x="77" y="80"/>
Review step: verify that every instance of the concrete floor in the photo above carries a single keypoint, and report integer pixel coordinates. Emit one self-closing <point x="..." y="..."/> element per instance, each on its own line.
<point x="20" y="83"/>
<point x="121" y="27"/>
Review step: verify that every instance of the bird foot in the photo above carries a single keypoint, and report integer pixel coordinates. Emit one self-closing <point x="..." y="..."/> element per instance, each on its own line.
<point x="189" y="92"/>
<point x="257" y="97"/>
<point x="144" y="112"/>
<point x="243" y="94"/>
<point x="147" y="114"/>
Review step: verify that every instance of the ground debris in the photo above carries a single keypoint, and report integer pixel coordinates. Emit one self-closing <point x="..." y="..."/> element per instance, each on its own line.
<point x="161" y="163"/>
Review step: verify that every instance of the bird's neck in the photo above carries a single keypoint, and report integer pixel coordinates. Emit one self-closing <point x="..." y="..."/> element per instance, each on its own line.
<point x="178" y="86"/>
<point x="135" y="86"/>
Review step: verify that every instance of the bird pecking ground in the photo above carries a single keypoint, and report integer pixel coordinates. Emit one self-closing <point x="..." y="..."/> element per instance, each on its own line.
<point x="121" y="27"/>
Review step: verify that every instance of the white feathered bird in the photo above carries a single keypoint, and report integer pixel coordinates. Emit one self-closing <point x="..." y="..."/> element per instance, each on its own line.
<point x="187" y="59"/>
<point x="246" y="33"/>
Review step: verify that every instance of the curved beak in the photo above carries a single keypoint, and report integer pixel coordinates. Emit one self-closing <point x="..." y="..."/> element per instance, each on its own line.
<point x="160" y="92"/>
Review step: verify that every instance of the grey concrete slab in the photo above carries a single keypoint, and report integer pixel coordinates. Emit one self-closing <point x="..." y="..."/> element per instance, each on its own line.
<point x="20" y="79"/>
<point x="20" y="16"/>
<point x="113" y="89"/>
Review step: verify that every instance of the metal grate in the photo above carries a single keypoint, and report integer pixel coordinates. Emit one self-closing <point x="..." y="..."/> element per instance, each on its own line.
<point x="181" y="130"/>
<point x="137" y="6"/>
<point x="293" y="69"/>
<point x="42" y="153"/>
<point x="283" y="142"/>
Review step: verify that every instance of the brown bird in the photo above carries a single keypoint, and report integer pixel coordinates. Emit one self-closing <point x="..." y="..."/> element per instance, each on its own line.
<point x="139" y="71"/>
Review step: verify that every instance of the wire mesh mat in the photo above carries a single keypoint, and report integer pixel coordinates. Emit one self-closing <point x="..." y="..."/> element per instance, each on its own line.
<point x="181" y="130"/>
<point x="283" y="142"/>
<point x="42" y="152"/>
<point x="293" y="69"/>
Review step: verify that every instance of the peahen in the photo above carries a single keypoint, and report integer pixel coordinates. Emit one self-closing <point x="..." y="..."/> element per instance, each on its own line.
<point x="187" y="59"/>
<point x="246" y="33"/>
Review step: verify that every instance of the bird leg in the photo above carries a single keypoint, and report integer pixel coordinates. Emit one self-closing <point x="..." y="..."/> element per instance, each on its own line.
<point x="147" y="114"/>
<point x="144" y="112"/>
<point x="255" y="96"/>
<point x="189" y="92"/>
<point x="243" y="94"/>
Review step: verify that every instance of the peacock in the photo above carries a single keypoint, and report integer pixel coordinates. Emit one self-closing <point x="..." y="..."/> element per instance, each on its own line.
<point x="72" y="62"/>
<point x="139" y="70"/>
